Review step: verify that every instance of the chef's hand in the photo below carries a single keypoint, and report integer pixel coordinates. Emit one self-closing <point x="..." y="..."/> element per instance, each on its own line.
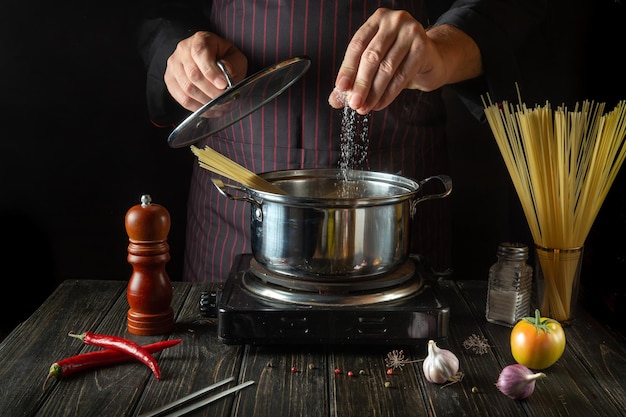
<point x="392" y="51"/>
<point x="192" y="75"/>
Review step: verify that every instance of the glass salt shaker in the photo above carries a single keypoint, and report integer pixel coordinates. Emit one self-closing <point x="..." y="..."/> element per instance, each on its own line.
<point x="510" y="285"/>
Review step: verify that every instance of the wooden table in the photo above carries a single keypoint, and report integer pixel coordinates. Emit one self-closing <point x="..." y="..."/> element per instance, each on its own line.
<point x="588" y="380"/>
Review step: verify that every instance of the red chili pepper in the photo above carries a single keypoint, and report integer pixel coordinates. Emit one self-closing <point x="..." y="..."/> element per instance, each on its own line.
<point x="74" y="364"/>
<point x="121" y="345"/>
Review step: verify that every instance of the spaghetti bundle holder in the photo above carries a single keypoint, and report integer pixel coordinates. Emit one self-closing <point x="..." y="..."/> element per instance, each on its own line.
<point x="562" y="164"/>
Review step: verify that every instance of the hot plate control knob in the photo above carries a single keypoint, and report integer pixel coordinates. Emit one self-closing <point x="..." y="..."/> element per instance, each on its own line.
<point x="208" y="303"/>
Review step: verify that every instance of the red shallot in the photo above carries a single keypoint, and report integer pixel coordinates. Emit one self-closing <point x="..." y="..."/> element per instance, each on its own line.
<point x="517" y="381"/>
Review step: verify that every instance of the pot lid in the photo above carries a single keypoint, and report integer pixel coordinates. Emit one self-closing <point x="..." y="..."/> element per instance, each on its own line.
<point x="238" y="101"/>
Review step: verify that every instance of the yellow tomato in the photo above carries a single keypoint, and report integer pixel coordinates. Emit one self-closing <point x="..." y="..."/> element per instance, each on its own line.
<point x="537" y="342"/>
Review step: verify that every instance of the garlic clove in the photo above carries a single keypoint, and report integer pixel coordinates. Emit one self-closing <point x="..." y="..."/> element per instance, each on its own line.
<point x="517" y="381"/>
<point x="440" y="365"/>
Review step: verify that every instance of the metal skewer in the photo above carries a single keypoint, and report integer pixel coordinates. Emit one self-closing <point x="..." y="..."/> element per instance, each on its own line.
<point x="164" y="409"/>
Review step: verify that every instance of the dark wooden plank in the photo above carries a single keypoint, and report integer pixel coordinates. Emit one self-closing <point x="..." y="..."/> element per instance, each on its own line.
<point x="581" y="383"/>
<point x="476" y="394"/>
<point x="198" y="361"/>
<point x="279" y="391"/>
<point x="586" y="381"/>
<point x="27" y="353"/>
<point x="603" y="353"/>
<point x="366" y="394"/>
<point x="112" y="390"/>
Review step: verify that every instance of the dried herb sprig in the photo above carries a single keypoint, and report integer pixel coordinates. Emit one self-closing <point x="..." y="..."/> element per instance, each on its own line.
<point x="477" y="344"/>
<point x="395" y="359"/>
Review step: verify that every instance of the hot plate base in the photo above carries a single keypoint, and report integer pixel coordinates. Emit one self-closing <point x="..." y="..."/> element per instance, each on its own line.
<point x="246" y="318"/>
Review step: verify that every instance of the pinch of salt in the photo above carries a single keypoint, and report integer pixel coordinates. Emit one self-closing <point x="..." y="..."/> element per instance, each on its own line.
<point x="342" y="96"/>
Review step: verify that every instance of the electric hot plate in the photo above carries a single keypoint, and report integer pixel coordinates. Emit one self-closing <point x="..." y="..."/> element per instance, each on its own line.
<point x="257" y="307"/>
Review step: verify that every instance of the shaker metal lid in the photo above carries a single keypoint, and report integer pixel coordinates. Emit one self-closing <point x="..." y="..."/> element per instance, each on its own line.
<point x="238" y="101"/>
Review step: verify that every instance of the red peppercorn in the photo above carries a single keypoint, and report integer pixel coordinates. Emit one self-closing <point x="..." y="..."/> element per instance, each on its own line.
<point x="294" y="369"/>
<point x="337" y="371"/>
<point x="350" y="373"/>
<point x="390" y="371"/>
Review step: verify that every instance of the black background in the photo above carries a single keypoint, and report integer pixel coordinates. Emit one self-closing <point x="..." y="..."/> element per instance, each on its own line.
<point x="77" y="149"/>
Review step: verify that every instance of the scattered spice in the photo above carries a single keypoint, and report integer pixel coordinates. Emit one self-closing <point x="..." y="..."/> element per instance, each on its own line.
<point x="390" y="371"/>
<point x="294" y="369"/>
<point x="477" y="344"/>
<point x="337" y="371"/>
<point x="350" y="373"/>
<point x="475" y="390"/>
<point x="311" y="366"/>
<point x="361" y="372"/>
<point x="387" y="384"/>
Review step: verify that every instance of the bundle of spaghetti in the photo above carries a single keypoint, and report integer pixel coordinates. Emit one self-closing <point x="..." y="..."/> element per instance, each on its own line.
<point x="562" y="164"/>
<point x="214" y="161"/>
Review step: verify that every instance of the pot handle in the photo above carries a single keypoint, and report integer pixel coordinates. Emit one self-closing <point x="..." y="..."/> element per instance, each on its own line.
<point x="223" y="189"/>
<point x="447" y="185"/>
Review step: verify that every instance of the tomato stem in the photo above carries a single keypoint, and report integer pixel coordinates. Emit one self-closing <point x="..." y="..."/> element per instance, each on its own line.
<point x="538" y="323"/>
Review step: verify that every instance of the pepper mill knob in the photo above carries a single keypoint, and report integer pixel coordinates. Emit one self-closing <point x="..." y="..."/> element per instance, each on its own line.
<point x="149" y="289"/>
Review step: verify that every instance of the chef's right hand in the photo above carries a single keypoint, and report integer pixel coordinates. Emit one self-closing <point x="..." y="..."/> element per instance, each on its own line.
<point x="192" y="75"/>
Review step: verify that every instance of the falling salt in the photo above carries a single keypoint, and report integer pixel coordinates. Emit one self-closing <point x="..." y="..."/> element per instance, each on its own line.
<point x="354" y="145"/>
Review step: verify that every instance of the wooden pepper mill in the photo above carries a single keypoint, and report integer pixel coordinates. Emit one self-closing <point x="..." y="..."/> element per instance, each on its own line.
<point x="149" y="290"/>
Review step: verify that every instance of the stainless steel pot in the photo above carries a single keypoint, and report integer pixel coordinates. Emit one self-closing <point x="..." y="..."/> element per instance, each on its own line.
<point x="333" y="225"/>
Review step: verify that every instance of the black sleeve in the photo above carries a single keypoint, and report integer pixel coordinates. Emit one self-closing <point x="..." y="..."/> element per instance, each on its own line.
<point x="161" y="25"/>
<point x="533" y="45"/>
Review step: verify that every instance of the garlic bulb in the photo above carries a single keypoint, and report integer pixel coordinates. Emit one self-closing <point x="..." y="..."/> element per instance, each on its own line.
<point x="440" y="365"/>
<point x="517" y="381"/>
